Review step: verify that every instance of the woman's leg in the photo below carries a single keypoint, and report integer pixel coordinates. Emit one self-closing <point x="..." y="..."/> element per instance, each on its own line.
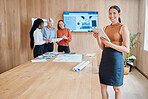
<point x="60" y="48"/>
<point x="66" y="49"/>
<point x="35" y="51"/>
<point x="50" y="47"/>
<point x="118" y="93"/>
<point x="104" y="91"/>
<point x="41" y="50"/>
<point x="45" y="48"/>
<point x="38" y="50"/>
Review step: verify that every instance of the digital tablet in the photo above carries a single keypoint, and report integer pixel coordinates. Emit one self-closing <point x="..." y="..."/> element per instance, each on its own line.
<point x="101" y="33"/>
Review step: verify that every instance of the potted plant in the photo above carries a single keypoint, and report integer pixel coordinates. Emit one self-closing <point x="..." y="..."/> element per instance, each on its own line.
<point x="128" y="57"/>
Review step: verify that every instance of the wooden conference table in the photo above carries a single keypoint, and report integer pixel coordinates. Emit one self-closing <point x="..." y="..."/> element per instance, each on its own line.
<point x="51" y="80"/>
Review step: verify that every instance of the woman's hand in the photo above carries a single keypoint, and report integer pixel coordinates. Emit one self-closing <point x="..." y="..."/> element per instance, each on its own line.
<point x="57" y="41"/>
<point x="106" y="42"/>
<point x="46" y="41"/>
<point x="64" y="37"/>
<point x="95" y="34"/>
<point x="100" y="43"/>
<point x="50" y="41"/>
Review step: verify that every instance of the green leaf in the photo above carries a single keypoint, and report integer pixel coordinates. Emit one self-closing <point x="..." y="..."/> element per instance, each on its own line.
<point x="132" y="57"/>
<point x="133" y="43"/>
<point x="131" y="63"/>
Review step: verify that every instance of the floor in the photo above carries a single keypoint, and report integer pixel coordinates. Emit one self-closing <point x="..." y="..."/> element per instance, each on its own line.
<point x="135" y="86"/>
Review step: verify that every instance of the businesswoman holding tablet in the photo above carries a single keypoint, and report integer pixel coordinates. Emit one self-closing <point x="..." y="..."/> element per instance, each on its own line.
<point x="111" y="70"/>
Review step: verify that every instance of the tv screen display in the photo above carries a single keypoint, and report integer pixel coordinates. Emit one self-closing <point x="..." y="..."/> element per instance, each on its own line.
<point x="80" y="21"/>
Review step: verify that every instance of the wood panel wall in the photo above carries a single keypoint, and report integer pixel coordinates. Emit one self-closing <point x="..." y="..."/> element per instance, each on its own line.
<point x="15" y="24"/>
<point x="142" y="55"/>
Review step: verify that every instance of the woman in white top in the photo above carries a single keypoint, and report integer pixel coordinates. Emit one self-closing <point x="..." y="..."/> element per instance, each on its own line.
<point x="37" y="37"/>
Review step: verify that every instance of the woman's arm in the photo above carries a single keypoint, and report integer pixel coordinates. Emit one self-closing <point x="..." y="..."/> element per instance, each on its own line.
<point x="126" y="41"/>
<point x="54" y="33"/>
<point x="69" y="36"/>
<point x="58" y="37"/>
<point x="101" y="45"/>
<point x="44" y="34"/>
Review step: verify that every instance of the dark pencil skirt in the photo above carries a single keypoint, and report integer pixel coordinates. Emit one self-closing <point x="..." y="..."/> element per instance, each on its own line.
<point x="38" y="50"/>
<point x="111" y="70"/>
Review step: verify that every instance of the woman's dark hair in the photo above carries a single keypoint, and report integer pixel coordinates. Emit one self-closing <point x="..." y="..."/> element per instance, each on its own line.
<point x="36" y="24"/>
<point x="118" y="9"/>
<point x="58" y="24"/>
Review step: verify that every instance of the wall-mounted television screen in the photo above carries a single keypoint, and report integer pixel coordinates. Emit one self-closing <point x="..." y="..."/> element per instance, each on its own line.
<point x="80" y="21"/>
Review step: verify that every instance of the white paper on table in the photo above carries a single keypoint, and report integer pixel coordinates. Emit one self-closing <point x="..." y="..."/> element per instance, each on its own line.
<point x="91" y="55"/>
<point x="42" y="60"/>
<point x="68" y="58"/>
<point x="53" y="53"/>
<point x="76" y="67"/>
<point x="57" y="39"/>
<point x="82" y="66"/>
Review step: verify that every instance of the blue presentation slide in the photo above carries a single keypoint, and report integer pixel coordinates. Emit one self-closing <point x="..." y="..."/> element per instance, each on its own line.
<point x="81" y="21"/>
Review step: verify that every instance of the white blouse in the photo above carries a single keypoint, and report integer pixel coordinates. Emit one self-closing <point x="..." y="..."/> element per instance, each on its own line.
<point x="38" y="37"/>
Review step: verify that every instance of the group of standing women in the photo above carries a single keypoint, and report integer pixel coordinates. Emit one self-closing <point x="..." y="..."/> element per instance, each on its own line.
<point x="41" y="37"/>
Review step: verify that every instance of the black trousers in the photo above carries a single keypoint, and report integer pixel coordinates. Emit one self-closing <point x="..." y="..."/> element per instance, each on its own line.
<point x="66" y="49"/>
<point x="38" y="50"/>
<point x="48" y="47"/>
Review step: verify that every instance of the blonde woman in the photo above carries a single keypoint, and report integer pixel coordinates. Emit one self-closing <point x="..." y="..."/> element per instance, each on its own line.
<point x="49" y="33"/>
